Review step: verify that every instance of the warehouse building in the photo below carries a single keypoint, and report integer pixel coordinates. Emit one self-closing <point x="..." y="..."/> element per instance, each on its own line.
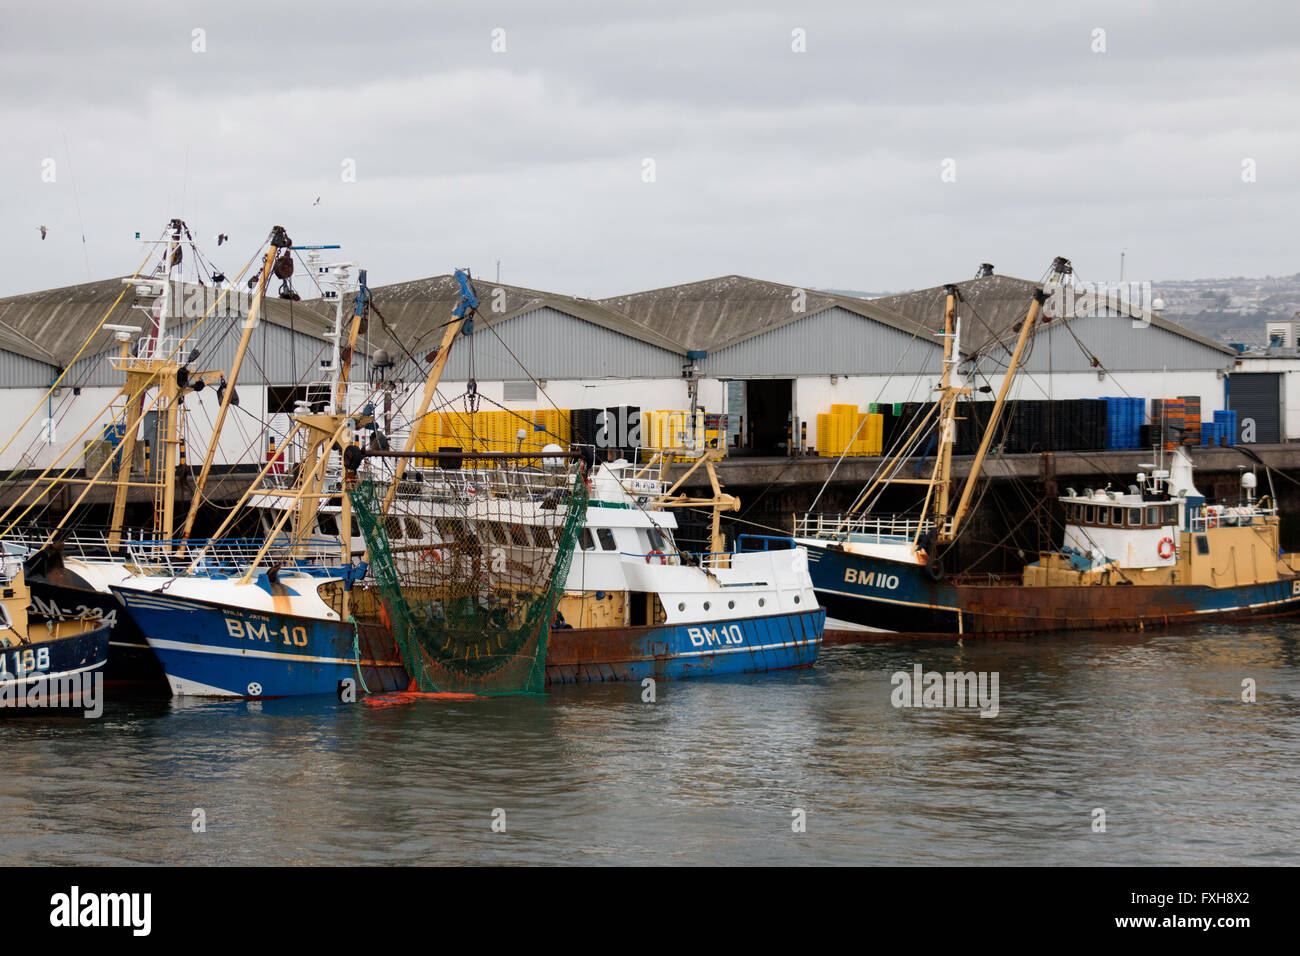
<point x="44" y="333"/>
<point x="1099" y="350"/>
<point x="771" y="357"/>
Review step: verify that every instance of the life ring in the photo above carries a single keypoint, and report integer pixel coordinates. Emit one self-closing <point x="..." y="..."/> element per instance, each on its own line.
<point x="1165" y="548"/>
<point x="432" y="554"/>
<point x="650" y="558"/>
<point x="1211" y="519"/>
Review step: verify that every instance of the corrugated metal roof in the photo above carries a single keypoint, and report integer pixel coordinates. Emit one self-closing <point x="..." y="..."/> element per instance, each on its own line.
<point x="711" y="315"/>
<point x="13" y="341"/>
<point x="418" y="310"/>
<point x="552" y="344"/>
<point x="832" y="341"/>
<point x="714" y="314"/>
<point x="991" y="306"/>
<point x="57" y="321"/>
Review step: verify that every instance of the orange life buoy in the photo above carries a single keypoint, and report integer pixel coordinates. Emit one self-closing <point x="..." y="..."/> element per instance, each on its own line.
<point x="650" y="558"/>
<point x="1211" y="519"/>
<point x="1166" y="548"/>
<point x="432" y="554"/>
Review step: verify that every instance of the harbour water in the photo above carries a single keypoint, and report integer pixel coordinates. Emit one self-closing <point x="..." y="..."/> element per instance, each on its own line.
<point x="1150" y="727"/>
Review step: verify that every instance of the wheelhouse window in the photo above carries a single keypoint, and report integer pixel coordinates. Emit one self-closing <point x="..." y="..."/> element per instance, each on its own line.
<point x="541" y="536"/>
<point x="656" y="538"/>
<point x="588" y="542"/>
<point x="1171" y="514"/>
<point x="1103" y="516"/>
<point x="1153" y="516"/>
<point x="1089" y="514"/>
<point x="1135" y="517"/>
<point x="606" y="538"/>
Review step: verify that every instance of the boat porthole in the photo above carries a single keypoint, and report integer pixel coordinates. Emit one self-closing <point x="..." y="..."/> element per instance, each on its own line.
<point x="796" y="599"/>
<point x="681" y="606"/>
<point x="731" y="605"/>
<point x="762" y="601"/>
<point x="707" y="605"/>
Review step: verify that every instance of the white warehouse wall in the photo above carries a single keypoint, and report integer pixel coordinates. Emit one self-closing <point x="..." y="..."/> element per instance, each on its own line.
<point x="242" y="437"/>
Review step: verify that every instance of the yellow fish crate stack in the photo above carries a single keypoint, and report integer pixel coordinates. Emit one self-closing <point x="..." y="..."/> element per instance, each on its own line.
<point x="671" y="428"/>
<point x="846" y="431"/>
<point x="494" y="431"/>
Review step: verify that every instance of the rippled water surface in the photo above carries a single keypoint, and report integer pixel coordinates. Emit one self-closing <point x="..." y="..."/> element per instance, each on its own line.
<point x="1150" y="727"/>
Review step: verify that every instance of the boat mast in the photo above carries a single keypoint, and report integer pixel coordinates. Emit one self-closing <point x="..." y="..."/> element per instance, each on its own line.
<point x="279" y="240"/>
<point x="941" y="477"/>
<point x="949" y="533"/>
<point x="462" y="317"/>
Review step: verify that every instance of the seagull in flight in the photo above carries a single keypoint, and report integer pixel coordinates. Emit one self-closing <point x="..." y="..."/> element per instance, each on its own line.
<point x="317" y="202"/>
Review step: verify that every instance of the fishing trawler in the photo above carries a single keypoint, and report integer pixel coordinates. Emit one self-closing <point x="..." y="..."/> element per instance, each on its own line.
<point x="637" y="606"/>
<point x="1154" y="555"/>
<point x="227" y="618"/>
<point x="632" y="604"/>
<point x="34" y="648"/>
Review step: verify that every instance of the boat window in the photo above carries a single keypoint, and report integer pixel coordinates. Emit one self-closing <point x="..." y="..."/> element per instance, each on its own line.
<point x="393" y="526"/>
<point x="1088" y="514"/>
<point x="1153" y="516"/>
<point x="542" y="537"/>
<point x="495" y="533"/>
<point x="356" y="530"/>
<point x="1103" y="515"/>
<point x="1135" y="517"/>
<point x="588" y="542"/>
<point x="327" y="524"/>
<point x="1202" y="545"/>
<point x="1171" y="514"/>
<point x="518" y="535"/>
<point x="454" y="528"/>
<point x="606" y="539"/>
<point x="413" y="529"/>
<point x="656" y="539"/>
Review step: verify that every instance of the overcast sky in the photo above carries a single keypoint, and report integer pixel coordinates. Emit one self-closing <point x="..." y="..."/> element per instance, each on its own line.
<point x="820" y="168"/>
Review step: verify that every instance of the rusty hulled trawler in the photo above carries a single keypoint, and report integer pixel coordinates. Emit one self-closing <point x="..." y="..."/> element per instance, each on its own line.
<point x="1157" y="554"/>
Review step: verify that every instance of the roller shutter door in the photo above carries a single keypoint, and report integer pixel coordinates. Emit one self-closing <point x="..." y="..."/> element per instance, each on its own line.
<point x="1257" y="396"/>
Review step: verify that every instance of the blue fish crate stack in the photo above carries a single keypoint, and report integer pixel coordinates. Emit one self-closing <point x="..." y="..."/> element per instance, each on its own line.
<point x="1226" y="427"/>
<point x="1123" y="422"/>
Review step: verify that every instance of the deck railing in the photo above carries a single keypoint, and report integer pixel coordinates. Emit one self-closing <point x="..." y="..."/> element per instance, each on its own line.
<point x="176" y="557"/>
<point x="840" y="527"/>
